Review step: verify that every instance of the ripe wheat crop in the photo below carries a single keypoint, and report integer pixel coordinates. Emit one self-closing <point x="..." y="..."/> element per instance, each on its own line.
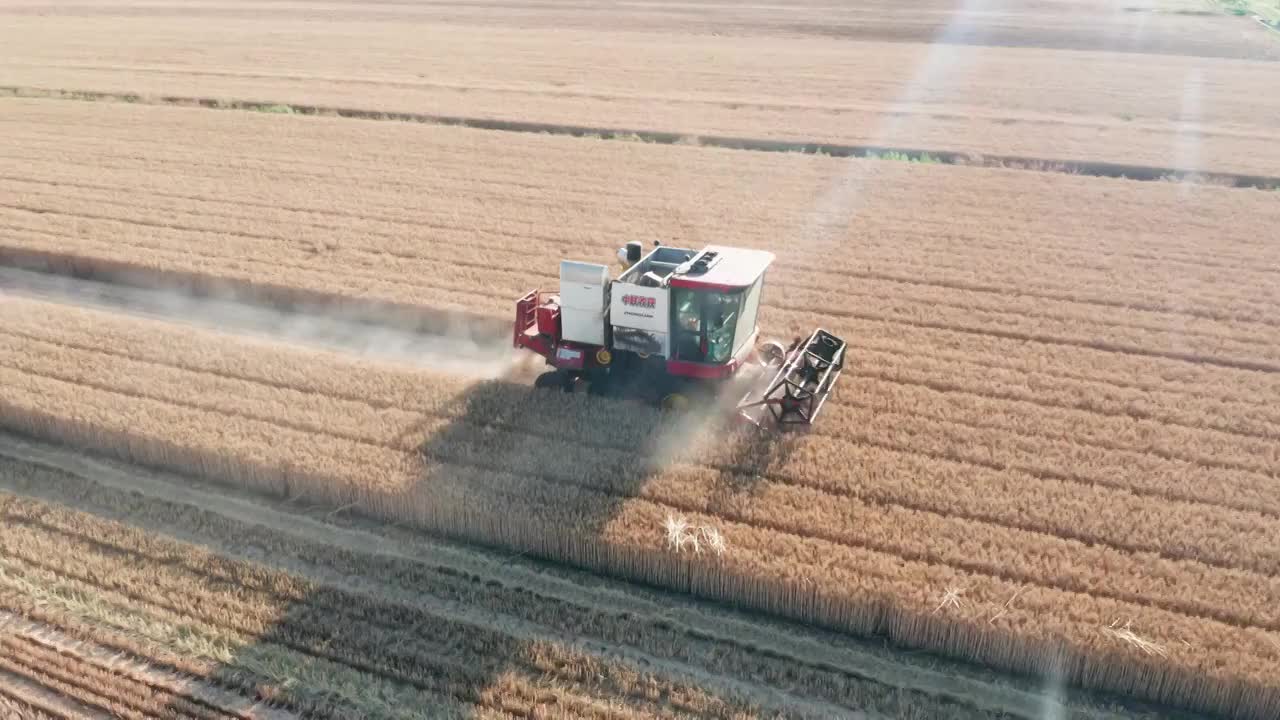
<point x="799" y="78"/>
<point x="1068" y="471"/>
<point x="868" y="551"/>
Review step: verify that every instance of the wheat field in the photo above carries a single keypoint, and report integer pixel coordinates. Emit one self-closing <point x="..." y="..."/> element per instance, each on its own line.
<point x="1098" y="81"/>
<point x="172" y="598"/>
<point x="929" y="506"/>
<point x="1052" y="459"/>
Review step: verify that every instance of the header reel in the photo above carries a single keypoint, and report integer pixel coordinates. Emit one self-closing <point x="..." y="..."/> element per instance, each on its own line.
<point x="801" y="379"/>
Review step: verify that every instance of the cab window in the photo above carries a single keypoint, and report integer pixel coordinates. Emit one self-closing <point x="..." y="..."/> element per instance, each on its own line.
<point x="706" y="324"/>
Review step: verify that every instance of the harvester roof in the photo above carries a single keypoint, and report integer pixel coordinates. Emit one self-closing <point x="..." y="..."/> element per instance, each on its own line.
<point x="722" y="268"/>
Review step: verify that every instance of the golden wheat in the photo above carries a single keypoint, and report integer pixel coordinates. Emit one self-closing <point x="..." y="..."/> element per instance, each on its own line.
<point x="817" y="73"/>
<point x="846" y="550"/>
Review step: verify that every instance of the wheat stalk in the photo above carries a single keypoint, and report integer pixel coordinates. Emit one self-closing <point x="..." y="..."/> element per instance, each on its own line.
<point x="680" y="534"/>
<point x="950" y="598"/>
<point x="1125" y="633"/>
<point x="1004" y="610"/>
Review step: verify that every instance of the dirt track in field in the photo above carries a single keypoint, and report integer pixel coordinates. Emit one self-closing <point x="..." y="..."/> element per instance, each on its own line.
<point x="170" y="504"/>
<point x="1175" y="110"/>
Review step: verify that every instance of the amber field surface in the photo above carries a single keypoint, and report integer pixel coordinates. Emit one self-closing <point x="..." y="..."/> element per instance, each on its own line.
<point x="266" y="451"/>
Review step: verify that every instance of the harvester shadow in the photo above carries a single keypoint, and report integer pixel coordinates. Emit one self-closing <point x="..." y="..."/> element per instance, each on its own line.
<point x="523" y="471"/>
<point x="511" y="442"/>
<point x="520" y="470"/>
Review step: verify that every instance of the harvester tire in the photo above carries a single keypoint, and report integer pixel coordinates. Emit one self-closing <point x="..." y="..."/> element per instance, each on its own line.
<point x="598" y="382"/>
<point x="675" y="402"/>
<point x="549" y="380"/>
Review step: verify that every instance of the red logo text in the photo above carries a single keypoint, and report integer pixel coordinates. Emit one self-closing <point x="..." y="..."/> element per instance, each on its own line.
<point x="639" y="301"/>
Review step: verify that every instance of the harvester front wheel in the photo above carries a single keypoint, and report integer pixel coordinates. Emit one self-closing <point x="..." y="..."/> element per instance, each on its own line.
<point x="675" y="402"/>
<point x="598" y="382"/>
<point x="548" y="380"/>
<point x="555" y="380"/>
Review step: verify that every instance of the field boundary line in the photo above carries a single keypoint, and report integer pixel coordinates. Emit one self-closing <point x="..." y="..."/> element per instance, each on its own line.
<point x="1090" y="168"/>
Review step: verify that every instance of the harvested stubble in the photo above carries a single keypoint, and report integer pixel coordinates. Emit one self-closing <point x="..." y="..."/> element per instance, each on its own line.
<point x="938" y="92"/>
<point x="396" y="650"/>
<point x="843" y="528"/>
<point x="441" y="612"/>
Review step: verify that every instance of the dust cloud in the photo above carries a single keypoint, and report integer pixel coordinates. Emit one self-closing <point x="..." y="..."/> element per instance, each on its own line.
<point x="460" y="349"/>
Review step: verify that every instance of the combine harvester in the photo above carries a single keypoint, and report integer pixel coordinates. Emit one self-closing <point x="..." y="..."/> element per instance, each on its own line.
<point x="677" y="327"/>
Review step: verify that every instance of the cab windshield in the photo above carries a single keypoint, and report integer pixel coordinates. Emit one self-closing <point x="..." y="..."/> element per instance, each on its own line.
<point x="705" y="324"/>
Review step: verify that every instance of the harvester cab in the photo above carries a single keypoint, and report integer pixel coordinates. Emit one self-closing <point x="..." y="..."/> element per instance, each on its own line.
<point x="678" y="326"/>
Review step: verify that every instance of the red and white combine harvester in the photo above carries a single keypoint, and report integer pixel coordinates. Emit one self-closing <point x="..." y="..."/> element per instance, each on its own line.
<point x="677" y="326"/>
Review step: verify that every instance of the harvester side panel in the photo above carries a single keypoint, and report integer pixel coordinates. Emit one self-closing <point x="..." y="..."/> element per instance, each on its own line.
<point x="584" y="291"/>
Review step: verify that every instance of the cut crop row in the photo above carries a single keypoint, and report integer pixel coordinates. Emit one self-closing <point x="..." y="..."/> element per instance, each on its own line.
<point x="359" y="420"/>
<point x="395" y="210"/>
<point x="635" y="175"/>
<point x="112" y="690"/>
<point x="393" y="230"/>
<point x="122" y="629"/>
<point x="286" y="635"/>
<point x="312" y="285"/>
<point x="881" y="234"/>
